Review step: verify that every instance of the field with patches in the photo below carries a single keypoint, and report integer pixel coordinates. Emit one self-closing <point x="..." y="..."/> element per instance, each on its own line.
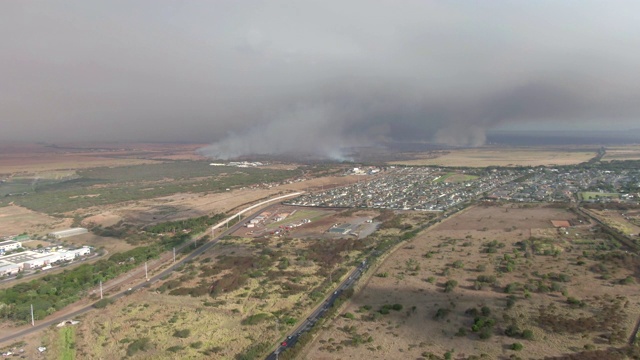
<point x="496" y="156"/>
<point x="486" y="279"/>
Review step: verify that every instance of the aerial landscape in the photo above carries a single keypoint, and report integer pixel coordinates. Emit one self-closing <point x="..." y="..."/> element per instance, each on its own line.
<point x="319" y="180"/>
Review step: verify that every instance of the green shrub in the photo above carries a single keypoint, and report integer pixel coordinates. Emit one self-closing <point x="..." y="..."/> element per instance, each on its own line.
<point x="441" y="313"/>
<point x="183" y="334"/>
<point x="175" y="349"/>
<point x="102" y="303"/>
<point x="527" y="334"/>
<point x="255" y="319"/>
<point x="450" y="285"/>
<point x="516" y="346"/>
<point x="142" y="344"/>
<point x="349" y="316"/>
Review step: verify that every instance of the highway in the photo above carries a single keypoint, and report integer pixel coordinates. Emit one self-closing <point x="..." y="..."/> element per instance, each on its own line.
<point x="318" y="313"/>
<point x="44" y="324"/>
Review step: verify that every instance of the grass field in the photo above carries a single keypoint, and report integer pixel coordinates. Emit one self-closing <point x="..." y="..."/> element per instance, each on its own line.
<point x="456" y="178"/>
<point x="104" y="186"/>
<point x="596" y="195"/>
<point x="494" y="156"/>
<point x="67" y="343"/>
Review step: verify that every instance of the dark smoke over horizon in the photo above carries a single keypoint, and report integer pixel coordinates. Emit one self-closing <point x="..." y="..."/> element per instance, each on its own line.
<point x="267" y="77"/>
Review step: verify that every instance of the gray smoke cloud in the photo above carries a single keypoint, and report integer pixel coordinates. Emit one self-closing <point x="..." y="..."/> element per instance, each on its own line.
<point x="273" y="77"/>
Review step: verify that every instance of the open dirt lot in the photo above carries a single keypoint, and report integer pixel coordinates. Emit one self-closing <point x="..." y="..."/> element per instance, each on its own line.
<point x="495" y="156"/>
<point x="562" y="299"/>
<point x="17" y="220"/>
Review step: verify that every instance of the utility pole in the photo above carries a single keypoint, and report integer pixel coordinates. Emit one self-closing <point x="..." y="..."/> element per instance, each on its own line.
<point x="146" y="273"/>
<point x="174" y="255"/>
<point x="33" y="322"/>
<point x="100" y="289"/>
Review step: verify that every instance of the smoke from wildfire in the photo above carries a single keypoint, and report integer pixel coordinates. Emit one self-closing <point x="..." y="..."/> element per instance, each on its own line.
<point x="267" y="77"/>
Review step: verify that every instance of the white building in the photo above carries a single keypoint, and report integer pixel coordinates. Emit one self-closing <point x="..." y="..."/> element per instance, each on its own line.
<point x="81" y="252"/>
<point x="9" y="245"/>
<point x="7" y="268"/>
<point x="66" y="233"/>
<point x="41" y="261"/>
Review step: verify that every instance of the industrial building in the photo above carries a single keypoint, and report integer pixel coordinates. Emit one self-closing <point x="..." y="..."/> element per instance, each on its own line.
<point x="9" y="245"/>
<point x="14" y="263"/>
<point x="67" y="233"/>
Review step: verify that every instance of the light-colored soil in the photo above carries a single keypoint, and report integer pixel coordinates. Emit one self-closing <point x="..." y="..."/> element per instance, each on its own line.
<point x="495" y="156"/>
<point x="112" y="245"/>
<point x="412" y="332"/>
<point x="17" y="220"/>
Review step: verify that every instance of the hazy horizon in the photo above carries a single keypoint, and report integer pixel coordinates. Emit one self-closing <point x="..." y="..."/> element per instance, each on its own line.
<point x="268" y="78"/>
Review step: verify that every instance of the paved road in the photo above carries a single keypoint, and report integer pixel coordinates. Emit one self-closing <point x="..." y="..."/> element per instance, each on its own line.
<point x="318" y="313"/>
<point x="44" y="324"/>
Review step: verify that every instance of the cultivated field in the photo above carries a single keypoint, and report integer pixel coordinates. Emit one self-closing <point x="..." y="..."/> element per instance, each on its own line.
<point x="497" y="156"/>
<point x="486" y="279"/>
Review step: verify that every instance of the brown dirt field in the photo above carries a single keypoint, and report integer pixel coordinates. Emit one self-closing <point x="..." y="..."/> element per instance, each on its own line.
<point x="16" y="220"/>
<point x="495" y="156"/>
<point x="112" y="245"/>
<point x="412" y="332"/>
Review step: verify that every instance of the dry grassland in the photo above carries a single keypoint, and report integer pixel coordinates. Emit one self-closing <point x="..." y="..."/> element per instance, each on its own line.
<point x="267" y="277"/>
<point x="16" y="220"/>
<point x="622" y="221"/>
<point x="37" y="158"/>
<point x="629" y="152"/>
<point x="415" y="277"/>
<point x="495" y="156"/>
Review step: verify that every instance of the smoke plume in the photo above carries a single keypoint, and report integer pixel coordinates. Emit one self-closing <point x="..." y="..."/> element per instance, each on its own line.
<point x="266" y="77"/>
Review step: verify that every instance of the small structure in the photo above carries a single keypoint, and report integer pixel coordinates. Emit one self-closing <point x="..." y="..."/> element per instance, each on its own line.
<point x="561" y="223"/>
<point x="67" y="233"/>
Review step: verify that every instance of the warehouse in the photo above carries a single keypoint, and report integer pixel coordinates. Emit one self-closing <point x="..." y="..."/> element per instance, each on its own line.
<point x="7" y="268"/>
<point x="66" y="233"/>
<point x="41" y="261"/>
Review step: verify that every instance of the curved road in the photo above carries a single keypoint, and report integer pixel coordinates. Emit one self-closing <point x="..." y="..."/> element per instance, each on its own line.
<point x="44" y="324"/>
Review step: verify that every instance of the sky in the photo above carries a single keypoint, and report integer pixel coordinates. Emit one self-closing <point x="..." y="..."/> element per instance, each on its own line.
<point x="271" y="77"/>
